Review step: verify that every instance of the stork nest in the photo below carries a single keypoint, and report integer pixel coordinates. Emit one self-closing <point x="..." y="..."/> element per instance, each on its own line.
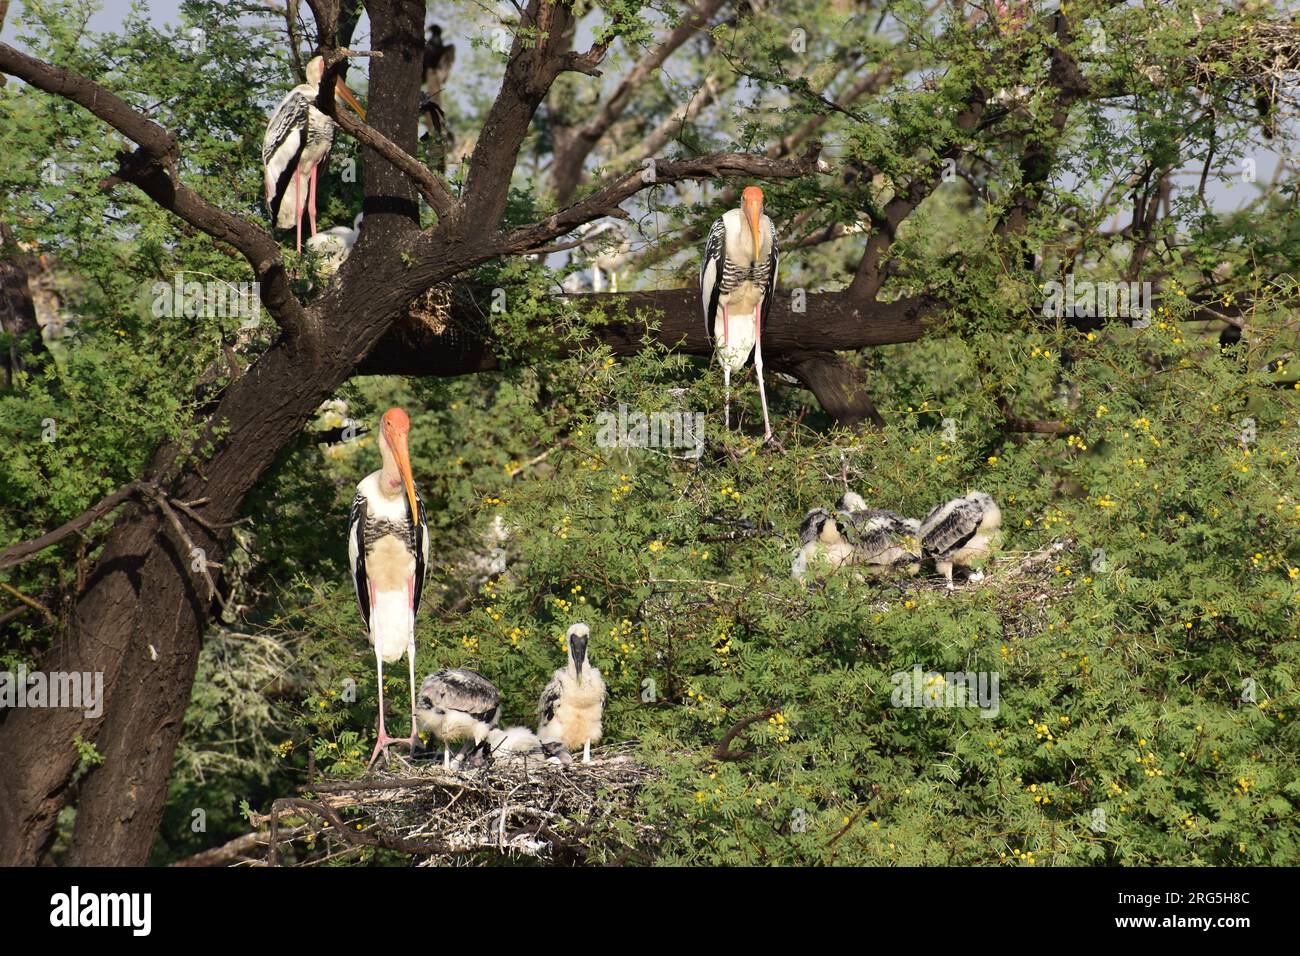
<point x="515" y="807"/>
<point x="1264" y="53"/>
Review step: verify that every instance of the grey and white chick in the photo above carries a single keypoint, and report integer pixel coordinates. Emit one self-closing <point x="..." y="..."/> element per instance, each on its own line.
<point x="882" y="540"/>
<point x="457" y="705"/>
<point x="571" y="706"/>
<point x="821" y="544"/>
<point x="963" y="532"/>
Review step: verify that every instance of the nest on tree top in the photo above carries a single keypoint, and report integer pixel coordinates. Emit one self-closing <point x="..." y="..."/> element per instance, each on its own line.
<point x="520" y="807"/>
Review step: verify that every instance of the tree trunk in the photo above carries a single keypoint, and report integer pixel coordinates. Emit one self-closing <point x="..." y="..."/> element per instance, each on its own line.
<point x="140" y="618"/>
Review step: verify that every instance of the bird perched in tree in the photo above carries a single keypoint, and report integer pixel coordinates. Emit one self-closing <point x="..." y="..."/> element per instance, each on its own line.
<point x="297" y="140"/>
<point x="605" y="248"/>
<point x="821" y="544"/>
<point x="458" y="705"/>
<point x="881" y="539"/>
<point x="571" y="706"/>
<point x="737" y="282"/>
<point x="964" y="531"/>
<point x="388" y="550"/>
<point x="334" y="245"/>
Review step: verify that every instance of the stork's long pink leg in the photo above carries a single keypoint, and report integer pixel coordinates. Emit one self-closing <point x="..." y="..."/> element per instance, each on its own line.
<point x="384" y="740"/>
<point x="726" y="367"/>
<point x="410" y="654"/>
<point x="758" y="366"/>
<point x="311" y="200"/>
<point x="297" y="210"/>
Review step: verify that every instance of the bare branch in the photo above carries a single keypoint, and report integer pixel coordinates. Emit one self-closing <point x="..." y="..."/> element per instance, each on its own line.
<point x="18" y="553"/>
<point x="574" y="146"/>
<point x="605" y="201"/>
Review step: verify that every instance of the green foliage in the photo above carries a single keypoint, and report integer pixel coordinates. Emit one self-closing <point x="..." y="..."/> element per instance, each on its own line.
<point x="1149" y="672"/>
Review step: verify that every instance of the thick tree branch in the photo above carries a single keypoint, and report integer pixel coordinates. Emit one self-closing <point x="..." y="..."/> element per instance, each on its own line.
<point x="153" y="167"/>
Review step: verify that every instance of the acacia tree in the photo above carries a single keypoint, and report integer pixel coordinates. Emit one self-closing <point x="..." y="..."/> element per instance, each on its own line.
<point x="914" y="97"/>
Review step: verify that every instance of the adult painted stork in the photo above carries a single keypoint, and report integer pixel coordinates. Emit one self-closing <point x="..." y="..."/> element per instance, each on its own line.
<point x="388" y="547"/>
<point x="737" y="282"/>
<point x="964" y="531"/>
<point x="298" y="138"/>
<point x="571" y="706"/>
<point x="458" y="705"/>
<point x="881" y="539"/>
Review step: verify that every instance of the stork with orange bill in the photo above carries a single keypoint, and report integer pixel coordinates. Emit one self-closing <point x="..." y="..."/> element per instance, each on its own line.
<point x="737" y="281"/>
<point x="388" y="549"/>
<point x="297" y="141"/>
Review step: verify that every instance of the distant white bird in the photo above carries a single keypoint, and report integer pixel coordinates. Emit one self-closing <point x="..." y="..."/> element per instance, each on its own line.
<point x="458" y="705"/>
<point x="334" y="245"/>
<point x="388" y="551"/>
<point x="881" y="539"/>
<point x="821" y="544"/>
<point x="297" y="140"/>
<point x="964" y="531"/>
<point x="605" y="248"/>
<point x="737" y="282"/>
<point x="572" y="704"/>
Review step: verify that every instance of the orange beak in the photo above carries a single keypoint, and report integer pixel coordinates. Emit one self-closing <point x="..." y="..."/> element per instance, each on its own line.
<point x="751" y="201"/>
<point x="402" y="455"/>
<point x="345" y="94"/>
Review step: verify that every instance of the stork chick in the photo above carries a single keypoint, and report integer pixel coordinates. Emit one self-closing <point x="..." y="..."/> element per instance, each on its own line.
<point x="737" y="282"/>
<point x="964" y="531"/>
<point x="821" y="543"/>
<point x="571" y="706"/>
<point x="881" y="539"/>
<point x="458" y="705"/>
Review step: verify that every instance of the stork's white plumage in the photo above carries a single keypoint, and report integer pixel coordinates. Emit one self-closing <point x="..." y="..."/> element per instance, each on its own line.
<point x="964" y="531"/>
<point x="881" y="539"/>
<point x="297" y="140"/>
<point x="388" y="549"/>
<point x="334" y="245"/>
<point x="572" y="704"/>
<point x="737" y="282"/>
<point x="458" y="705"/>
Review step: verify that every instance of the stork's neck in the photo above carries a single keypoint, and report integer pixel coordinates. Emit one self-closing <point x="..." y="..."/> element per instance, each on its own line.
<point x="390" y="479"/>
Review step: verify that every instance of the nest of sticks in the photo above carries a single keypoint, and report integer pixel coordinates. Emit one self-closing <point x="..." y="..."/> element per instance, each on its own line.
<point x="516" y="807"/>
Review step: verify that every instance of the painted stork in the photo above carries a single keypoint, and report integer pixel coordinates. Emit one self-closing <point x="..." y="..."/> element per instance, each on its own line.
<point x="458" y="705"/>
<point x="881" y="539"/>
<point x="965" y="531"/>
<point x="298" y="138"/>
<point x="737" y="282"/>
<point x="821" y="543"/>
<point x="570" y="709"/>
<point x="388" y="548"/>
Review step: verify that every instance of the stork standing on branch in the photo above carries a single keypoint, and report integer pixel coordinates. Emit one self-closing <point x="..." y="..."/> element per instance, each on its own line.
<point x="297" y="140"/>
<point x="572" y="704"/>
<point x="737" y="281"/>
<point x="388" y="548"/>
